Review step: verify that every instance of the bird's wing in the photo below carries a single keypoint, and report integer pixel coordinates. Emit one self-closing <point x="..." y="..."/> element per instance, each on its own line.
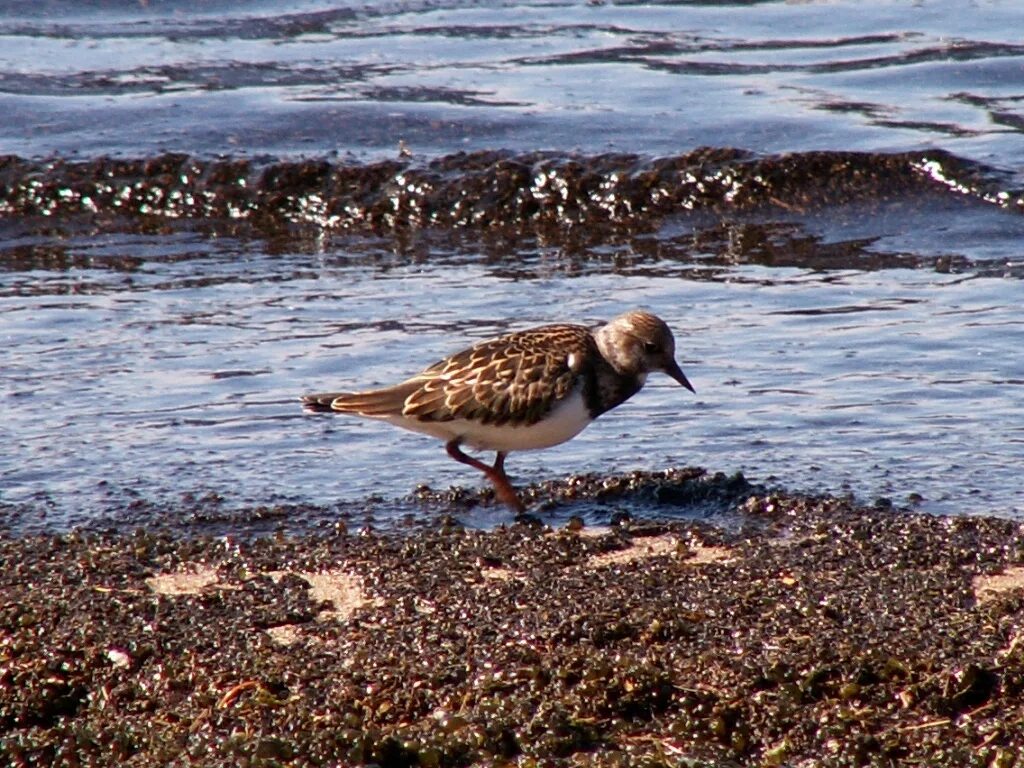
<point x="512" y="380"/>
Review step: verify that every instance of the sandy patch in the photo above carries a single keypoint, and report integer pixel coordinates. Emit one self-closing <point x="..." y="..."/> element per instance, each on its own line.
<point x="190" y="580"/>
<point x="497" y="574"/>
<point x="666" y="544"/>
<point x="989" y="587"/>
<point x="343" y="591"/>
<point x="284" y="634"/>
<point x="710" y="554"/>
<point x="339" y="588"/>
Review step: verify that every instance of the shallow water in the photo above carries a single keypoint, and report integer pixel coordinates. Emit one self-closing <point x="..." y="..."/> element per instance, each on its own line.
<point x="182" y="375"/>
<point x="872" y="345"/>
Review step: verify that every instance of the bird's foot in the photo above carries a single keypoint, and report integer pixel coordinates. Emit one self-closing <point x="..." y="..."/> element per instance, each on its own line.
<point x="505" y="493"/>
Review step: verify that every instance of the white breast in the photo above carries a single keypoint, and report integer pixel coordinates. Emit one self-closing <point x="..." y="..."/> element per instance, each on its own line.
<point x="567" y="419"/>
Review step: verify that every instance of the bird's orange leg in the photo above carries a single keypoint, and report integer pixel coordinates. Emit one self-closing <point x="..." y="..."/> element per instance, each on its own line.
<point x="502" y="487"/>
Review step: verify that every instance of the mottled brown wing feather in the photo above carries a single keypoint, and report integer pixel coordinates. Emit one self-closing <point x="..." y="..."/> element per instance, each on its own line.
<point x="513" y="380"/>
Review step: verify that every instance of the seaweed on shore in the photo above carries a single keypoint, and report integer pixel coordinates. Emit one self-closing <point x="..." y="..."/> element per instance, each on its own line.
<point x="816" y="633"/>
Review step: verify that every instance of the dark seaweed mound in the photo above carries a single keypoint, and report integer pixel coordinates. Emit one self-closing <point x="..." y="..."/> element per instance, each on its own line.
<point x="481" y="190"/>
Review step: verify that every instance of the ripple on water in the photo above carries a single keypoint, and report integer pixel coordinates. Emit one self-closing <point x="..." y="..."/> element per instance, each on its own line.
<point x="870" y="381"/>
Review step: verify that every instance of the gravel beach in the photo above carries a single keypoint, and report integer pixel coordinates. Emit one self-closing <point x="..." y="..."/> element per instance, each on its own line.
<point x="807" y="631"/>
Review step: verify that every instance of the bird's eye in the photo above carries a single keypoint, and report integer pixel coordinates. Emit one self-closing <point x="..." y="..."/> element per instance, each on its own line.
<point x="650" y="347"/>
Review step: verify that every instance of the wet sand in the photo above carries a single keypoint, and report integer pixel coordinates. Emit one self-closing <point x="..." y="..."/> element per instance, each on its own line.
<point x="810" y="632"/>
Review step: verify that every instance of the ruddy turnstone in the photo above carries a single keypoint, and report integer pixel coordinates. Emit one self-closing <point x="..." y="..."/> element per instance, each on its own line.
<point x="521" y="391"/>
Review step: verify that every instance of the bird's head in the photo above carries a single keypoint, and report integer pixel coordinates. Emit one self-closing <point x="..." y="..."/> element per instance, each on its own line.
<point x="639" y="342"/>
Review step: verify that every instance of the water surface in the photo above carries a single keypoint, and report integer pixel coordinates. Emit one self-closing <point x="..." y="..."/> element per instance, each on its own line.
<point x="851" y="321"/>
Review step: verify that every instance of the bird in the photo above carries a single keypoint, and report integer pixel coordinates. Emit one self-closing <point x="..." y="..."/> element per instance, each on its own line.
<point x="525" y="390"/>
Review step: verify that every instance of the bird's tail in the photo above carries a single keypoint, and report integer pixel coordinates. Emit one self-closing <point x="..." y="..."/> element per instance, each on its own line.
<point x="374" y="402"/>
<point x="321" y="402"/>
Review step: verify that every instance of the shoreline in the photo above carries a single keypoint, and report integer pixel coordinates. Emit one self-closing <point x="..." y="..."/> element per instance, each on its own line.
<point x="814" y="632"/>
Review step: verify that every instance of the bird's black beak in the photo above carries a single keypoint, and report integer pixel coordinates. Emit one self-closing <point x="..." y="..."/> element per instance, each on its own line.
<point x="672" y="369"/>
